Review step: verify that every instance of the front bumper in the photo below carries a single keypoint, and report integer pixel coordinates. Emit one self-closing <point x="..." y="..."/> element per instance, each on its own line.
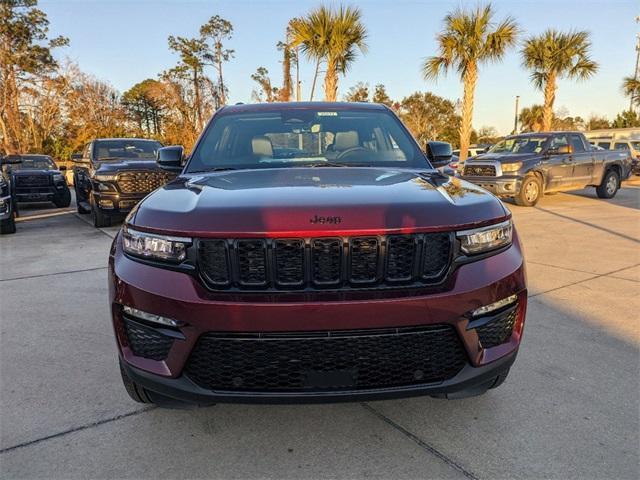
<point x="116" y="203"/>
<point x="181" y="297"/>
<point x="40" y="194"/>
<point x="503" y="186"/>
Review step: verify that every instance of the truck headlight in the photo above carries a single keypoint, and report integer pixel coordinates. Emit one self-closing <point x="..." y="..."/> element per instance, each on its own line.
<point x="154" y="247"/>
<point x="58" y="177"/>
<point x="511" y="167"/>
<point x="484" y="239"/>
<point x="105" y="178"/>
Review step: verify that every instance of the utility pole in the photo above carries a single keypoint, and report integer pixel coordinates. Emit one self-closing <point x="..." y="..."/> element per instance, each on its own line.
<point x="297" y="75"/>
<point x="515" y="120"/>
<point x="635" y="73"/>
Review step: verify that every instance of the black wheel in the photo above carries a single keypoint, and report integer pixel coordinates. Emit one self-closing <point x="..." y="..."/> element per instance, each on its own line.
<point x="64" y="200"/>
<point x="609" y="186"/>
<point x="100" y="220"/>
<point x="530" y="191"/>
<point x="8" y="226"/>
<point x="135" y="391"/>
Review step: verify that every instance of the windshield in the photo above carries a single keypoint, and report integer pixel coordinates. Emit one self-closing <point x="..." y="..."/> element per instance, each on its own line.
<point x="119" y="149"/>
<point x="519" y="145"/>
<point x="305" y="137"/>
<point x="34" y="163"/>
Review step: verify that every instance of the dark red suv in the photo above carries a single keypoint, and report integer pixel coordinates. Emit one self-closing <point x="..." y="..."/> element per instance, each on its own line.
<point x="311" y="252"/>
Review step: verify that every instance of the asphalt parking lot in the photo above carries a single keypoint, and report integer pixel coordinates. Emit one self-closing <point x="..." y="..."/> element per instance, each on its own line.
<point x="570" y="408"/>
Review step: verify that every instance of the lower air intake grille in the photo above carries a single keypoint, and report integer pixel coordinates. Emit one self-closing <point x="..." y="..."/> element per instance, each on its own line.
<point x="351" y="360"/>
<point x="147" y="342"/>
<point x="498" y="330"/>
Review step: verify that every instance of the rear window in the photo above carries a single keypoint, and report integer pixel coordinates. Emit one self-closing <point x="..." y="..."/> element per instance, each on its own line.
<point x="605" y="145"/>
<point x="299" y="137"/>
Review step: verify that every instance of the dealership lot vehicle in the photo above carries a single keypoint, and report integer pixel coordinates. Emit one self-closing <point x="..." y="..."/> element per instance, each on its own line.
<point x="36" y="178"/>
<point x="525" y="167"/>
<point x="112" y="175"/>
<point x="8" y="201"/>
<point x="264" y="273"/>
<point x="65" y="414"/>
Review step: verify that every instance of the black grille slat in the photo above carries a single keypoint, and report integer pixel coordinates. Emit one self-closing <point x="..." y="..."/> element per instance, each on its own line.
<point x="364" y="259"/>
<point x="213" y="259"/>
<point x="435" y="254"/>
<point x="147" y="342"/>
<point x="289" y="361"/>
<point x="322" y="263"/>
<point x="252" y="262"/>
<point x="480" y="170"/>
<point x="142" y="182"/>
<point x="33" y="180"/>
<point x="498" y="330"/>
<point x="327" y="261"/>
<point x="289" y="261"/>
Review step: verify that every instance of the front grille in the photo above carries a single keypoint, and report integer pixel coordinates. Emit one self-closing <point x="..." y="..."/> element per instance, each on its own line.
<point x="316" y="361"/>
<point x="498" y="330"/>
<point x="321" y="263"/>
<point x="33" y="180"/>
<point x="147" y="342"/>
<point x="480" y="170"/>
<point x="142" y="182"/>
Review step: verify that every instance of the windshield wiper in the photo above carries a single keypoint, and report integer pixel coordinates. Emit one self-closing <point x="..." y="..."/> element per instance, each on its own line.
<point x="323" y="164"/>
<point x="217" y="169"/>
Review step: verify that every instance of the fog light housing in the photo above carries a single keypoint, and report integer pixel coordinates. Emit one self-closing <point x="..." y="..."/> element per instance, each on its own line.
<point x="150" y="317"/>
<point x="492" y="307"/>
<point x="107" y="204"/>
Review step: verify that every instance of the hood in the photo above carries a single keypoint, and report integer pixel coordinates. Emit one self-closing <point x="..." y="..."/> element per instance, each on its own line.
<point x="114" y="166"/>
<point x="503" y="158"/>
<point x="308" y="201"/>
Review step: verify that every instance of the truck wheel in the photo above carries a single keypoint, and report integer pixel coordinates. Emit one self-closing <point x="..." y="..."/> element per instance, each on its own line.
<point x="8" y="226"/>
<point x="609" y="186"/>
<point x="99" y="219"/>
<point x="530" y="191"/>
<point x="63" y="201"/>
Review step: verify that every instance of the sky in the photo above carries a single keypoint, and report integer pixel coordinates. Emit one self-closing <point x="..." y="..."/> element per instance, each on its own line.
<point x="125" y="41"/>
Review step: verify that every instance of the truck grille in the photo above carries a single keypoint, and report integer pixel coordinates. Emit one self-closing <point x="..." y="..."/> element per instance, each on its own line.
<point x="480" y="170"/>
<point x="317" y="263"/>
<point x="142" y="182"/>
<point x="317" y="361"/>
<point x="33" y="180"/>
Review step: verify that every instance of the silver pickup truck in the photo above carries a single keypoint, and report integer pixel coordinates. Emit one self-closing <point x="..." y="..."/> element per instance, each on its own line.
<point x="529" y="165"/>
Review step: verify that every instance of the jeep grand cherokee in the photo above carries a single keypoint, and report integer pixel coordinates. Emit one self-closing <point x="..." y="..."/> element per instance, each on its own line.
<point x="310" y="252"/>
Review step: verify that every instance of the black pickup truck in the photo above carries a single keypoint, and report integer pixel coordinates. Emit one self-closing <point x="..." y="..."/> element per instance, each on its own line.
<point x="529" y="165"/>
<point x="112" y="175"/>
<point x="36" y="178"/>
<point x="8" y="201"/>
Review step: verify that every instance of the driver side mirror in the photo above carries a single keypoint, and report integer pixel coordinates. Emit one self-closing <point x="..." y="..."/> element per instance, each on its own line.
<point x="561" y="150"/>
<point x="170" y="158"/>
<point x="439" y="153"/>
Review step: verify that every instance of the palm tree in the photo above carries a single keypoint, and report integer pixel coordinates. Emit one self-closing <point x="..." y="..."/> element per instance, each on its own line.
<point x="469" y="39"/>
<point x="332" y="36"/>
<point x="631" y="88"/>
<point x="531" y="118"/>
<point x="554" y="55"/>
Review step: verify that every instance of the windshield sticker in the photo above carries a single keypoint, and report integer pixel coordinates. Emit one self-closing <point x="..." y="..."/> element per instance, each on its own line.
<point x="327" y="114"/>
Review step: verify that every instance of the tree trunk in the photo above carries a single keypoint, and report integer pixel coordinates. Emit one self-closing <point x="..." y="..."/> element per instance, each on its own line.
<point x="315" y="79"/>
<point x="331" y="82"/>
<point x="196" y="91"/>
<point x="223" y="99"/>
<point x="469" y="79"/>
<point x="549" y="99"/>
<point x="286" y="67"/>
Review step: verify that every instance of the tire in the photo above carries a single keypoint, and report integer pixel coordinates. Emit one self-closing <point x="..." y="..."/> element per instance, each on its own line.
<point x="135" y="391"/>
<point x="100" y="220"/>
<point x="530" y="191"/>
<point x="609" y="186"/>
<point x="8" y="226"/>
<point x="64" y="200"/>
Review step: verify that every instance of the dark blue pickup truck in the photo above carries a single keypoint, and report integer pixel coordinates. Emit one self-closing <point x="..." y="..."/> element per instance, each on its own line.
<point x="525" y="167"/>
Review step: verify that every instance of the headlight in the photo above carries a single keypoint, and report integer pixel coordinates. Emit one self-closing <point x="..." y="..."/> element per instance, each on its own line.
<point x="106" y="178"/>
<point x="154" y="247"/>
<point x="58" y="177"/>
<point x="511" y="167"/>
<point x="486" y="238"/>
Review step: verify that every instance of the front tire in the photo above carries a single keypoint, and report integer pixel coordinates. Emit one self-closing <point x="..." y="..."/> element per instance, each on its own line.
<point x="100" y="220"/>
<point x="8" y="226"/>
<point x="609" y="186"/>
<point x="63" y="201"/>
<point x="530" y="191"/>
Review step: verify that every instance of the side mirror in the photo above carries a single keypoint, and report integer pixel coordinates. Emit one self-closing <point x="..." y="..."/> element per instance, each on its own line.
<point x="170" y="158"/>
<point x="439" y="153"/>
<point x="11" y="160"/>
<point x="76" y="157"/>
<point x="561" y="150"/>
<point x="62" y="168"/>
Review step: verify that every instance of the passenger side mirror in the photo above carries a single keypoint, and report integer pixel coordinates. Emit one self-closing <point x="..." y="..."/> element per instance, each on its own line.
<point x="561" y="150"/>
<point x="62" y="168"/>
<point x="170" y="158"/>
<point x="439" y="153"/>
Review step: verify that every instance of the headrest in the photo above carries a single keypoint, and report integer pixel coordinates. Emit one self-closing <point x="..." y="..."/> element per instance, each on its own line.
<point x="261" y="146"/>
<point x="346" y="140"/>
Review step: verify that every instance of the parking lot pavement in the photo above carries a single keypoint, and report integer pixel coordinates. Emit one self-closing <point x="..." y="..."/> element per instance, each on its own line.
<point x="568" y="410"/>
